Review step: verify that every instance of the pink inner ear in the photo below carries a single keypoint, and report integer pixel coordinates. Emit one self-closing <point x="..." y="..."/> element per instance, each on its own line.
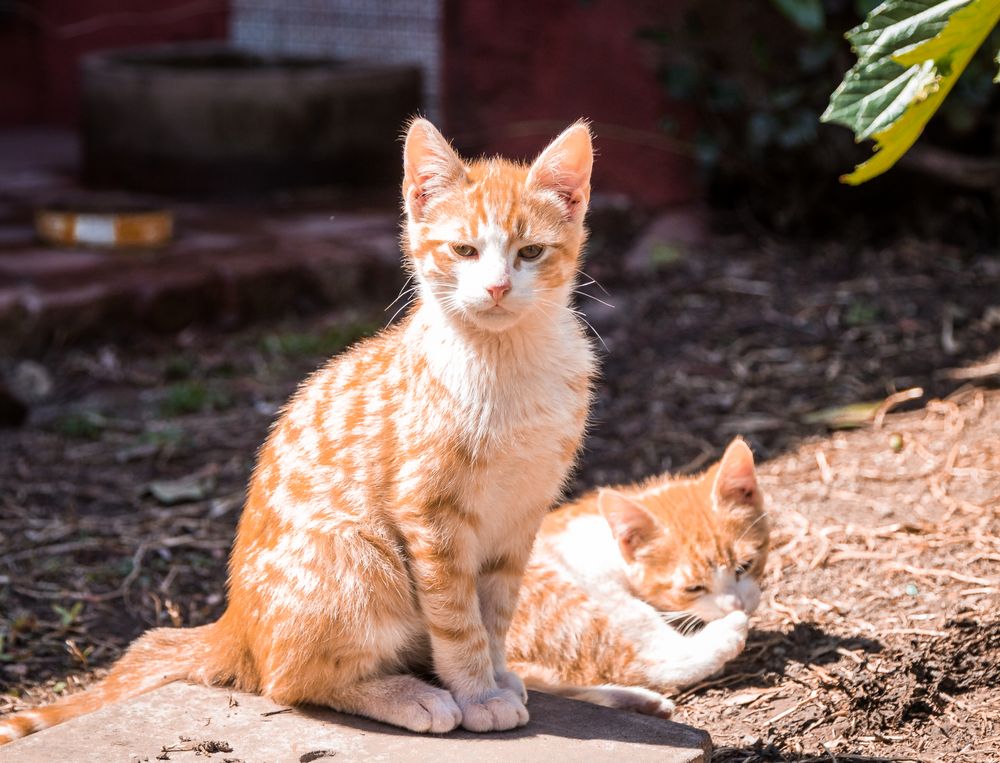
<point x="736" y="479"/>
<point x="430" y="164"/>
<point x="565" y="166"/>
<point x="630" y="523"/>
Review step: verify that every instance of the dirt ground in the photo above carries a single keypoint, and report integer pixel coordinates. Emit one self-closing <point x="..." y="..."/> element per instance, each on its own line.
<point x="879" y="635"/>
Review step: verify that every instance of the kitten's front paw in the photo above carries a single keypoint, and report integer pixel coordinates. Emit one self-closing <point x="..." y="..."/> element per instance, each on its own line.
<point x="729" y="634"/>
<point x="425" y="709"/>
<point x="507" y="679"/>
<point x="498" y="710"/>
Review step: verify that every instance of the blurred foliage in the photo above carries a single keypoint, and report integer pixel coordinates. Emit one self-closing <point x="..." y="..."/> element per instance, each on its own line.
<point x="81" y="425"/>
<point x="756" y="78"/>
<point x="326" y="343"/>
<point x="194" y="397"/>
<point x="910" y="55"/>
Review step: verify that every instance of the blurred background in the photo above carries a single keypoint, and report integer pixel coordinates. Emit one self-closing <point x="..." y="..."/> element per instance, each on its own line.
<point x="199" y="204"/>
<point x="706" y="115"/>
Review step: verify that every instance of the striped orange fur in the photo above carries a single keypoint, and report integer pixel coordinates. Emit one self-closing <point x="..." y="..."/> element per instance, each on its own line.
<point x="393" y="506"/>
<point x="617" y="578"/>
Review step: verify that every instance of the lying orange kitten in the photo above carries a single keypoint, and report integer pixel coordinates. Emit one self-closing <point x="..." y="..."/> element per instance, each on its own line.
<point x="612" y="573"/>
<point x="394" y="505"/>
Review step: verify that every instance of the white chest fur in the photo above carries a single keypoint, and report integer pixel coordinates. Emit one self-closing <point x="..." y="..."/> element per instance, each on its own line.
<point x="517" y="401"/>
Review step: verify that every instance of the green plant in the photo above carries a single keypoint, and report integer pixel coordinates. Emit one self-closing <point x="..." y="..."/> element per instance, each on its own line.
<point x="745" y="85"/>
<point x="68" y="616"/>
<point x="910" y="55"/>
<point x="83" y="425"/>
<point x="193" y="397"/>
<point x="328" y="341"/>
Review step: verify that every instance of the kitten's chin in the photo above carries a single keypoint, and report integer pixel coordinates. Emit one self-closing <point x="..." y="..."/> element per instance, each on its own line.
<point x="496" y="319"/>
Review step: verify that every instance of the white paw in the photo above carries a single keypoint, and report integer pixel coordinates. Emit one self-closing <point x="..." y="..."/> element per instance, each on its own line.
<point x="729" y="634"/>
<point x="508" y="680"/>
<point x="429" y="711"/>
<point x="497" y="710"/>
<point x="655" y="704"/>
<point x="635" y="699"/>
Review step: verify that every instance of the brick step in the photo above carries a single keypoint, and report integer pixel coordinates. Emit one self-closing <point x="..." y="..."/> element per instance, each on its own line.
<point x="228" y="267"/>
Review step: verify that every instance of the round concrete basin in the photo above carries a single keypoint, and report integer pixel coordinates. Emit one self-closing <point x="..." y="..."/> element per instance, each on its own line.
<point x="209" y="118"/>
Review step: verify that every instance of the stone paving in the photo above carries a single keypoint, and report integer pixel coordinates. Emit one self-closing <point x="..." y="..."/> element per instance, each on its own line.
<point x="181" y="722"/>
<point x="229" y="261"/>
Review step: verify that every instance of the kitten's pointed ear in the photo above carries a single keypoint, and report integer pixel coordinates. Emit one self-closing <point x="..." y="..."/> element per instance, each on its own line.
<point x="631" y="524"/>
<point x="564" y="168"/>
<point x="736" y="477"/>
<point x="430" y="165"/>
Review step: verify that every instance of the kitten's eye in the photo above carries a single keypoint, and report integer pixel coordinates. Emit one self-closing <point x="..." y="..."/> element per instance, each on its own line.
<point x="696" y="589"/>
<point x="532" y="252"/>
<point x="743" y="568"/>
<point x="464" y="250"/>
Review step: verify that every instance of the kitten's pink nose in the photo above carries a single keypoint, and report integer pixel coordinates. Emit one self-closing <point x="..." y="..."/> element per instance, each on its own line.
<point x="499" y="290"/>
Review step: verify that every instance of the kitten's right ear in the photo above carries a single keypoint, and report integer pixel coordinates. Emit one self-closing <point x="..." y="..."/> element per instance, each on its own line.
<point x="564" y="168"/>
<point x="736" y="478"/>
<point x="631" y="524"/>
<point x="430" y="165"/>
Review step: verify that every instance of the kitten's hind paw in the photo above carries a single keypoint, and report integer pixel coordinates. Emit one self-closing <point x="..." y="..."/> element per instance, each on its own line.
<point x="507" y="679"/>
<point x="499" y="710"/>
<point x="634" y="699"/>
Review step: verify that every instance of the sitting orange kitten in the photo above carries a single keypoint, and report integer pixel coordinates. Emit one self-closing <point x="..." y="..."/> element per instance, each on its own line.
<point x="612" y="572"/>
<point x="393" y="507"/>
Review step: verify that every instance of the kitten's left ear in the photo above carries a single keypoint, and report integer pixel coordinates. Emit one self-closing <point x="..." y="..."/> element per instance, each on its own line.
<point x="736" y="477"/>
<point x="631" y="524"/>
<point x="430" y="166"/>
<point x="564" y="168"/>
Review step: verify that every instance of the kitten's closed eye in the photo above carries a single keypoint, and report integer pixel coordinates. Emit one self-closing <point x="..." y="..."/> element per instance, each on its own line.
<point x="696" y="589"/>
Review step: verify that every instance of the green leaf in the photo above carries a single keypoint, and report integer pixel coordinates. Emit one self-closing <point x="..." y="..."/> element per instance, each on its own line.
<point x="805" y="14"/>
<point x="910" y="54"/>
<point x="68" y="616"/>
<point x="864" y="7"/>
<point x="848" y="416"/>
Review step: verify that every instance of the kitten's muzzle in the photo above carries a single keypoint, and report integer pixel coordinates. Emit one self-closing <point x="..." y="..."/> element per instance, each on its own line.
<point x="499" y="290"/>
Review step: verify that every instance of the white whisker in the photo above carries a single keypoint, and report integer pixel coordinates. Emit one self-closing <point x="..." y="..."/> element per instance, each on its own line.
<point x="403" y="290"/>
<point x="596" y="299"/>
<point x="580" y="316"/>
<point x="763" y="516"/>
<point x="593" y="281"/>
<point x="606" y="349"/>
<point x="402" y="307"/>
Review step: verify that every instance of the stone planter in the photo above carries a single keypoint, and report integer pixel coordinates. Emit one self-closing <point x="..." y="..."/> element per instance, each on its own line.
<point x="208" y="118"/>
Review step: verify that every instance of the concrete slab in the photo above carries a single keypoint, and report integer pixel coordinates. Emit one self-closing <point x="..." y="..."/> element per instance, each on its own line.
<point x="252" y="729"/>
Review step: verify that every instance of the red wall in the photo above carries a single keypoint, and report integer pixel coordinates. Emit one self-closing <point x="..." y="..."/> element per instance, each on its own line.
<point x="41" y="43"/>
<point x="518" y="71"/>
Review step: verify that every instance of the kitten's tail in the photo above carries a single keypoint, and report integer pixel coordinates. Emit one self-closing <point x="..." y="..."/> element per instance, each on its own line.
<point x="158" y="657"/>
<point x="635" y="699"/>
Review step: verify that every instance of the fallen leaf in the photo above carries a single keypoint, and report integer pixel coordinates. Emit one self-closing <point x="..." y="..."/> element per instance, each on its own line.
<point x="747" y="698"/>
<point x="848" y="416"/>
<point x="194" y="487"/>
